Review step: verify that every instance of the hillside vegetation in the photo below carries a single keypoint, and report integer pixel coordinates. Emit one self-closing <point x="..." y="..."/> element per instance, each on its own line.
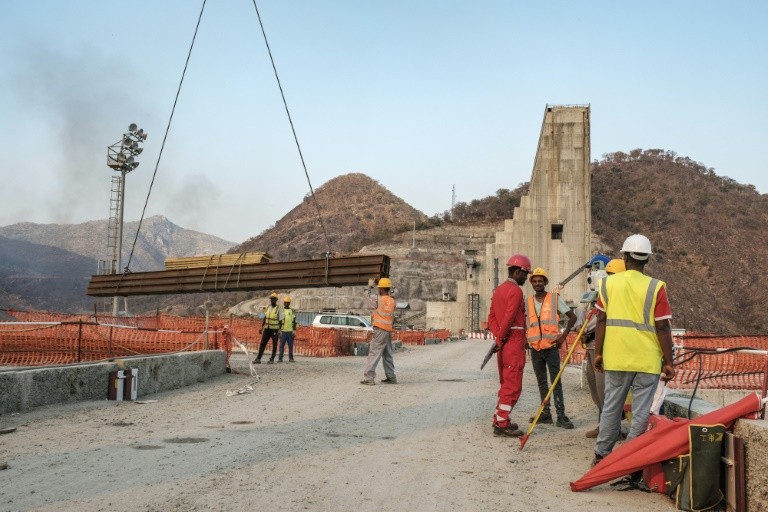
<point x="708" y="234"/>
<point x="355" y="210"/>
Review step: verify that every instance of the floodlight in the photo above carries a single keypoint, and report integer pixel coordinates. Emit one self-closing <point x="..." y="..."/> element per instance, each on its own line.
<point x="132" y="127"/>
<point x="138" y="150"/>
<point x="129" y="160"/>
<point x="135" y="165"/>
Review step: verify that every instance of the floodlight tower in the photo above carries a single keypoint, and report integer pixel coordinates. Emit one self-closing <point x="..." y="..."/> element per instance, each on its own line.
<point x="121" y="157"/>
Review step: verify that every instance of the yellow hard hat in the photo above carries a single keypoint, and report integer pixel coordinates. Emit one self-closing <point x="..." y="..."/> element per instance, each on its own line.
<point x="615" y="266"/>
<point x="385" y="282"/>
<point x="273" y="296"/>
<point x="538" y="271"/>
<point x="287" y="299"/>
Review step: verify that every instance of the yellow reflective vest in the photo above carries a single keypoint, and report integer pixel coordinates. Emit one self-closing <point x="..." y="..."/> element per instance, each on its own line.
<point x="629" y="301"/>
<point x="272" y="317"/>
<point x="289" y="320"/>
<point x="384" y="314"/>
<point x="542" y="329"/>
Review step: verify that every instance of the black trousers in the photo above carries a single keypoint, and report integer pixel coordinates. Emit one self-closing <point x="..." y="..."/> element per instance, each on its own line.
<point x="266" y="334"/>
<point x="543" y="360"/>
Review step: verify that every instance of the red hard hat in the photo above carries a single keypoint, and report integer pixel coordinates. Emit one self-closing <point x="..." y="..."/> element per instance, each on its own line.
<point x="520" y="260"/>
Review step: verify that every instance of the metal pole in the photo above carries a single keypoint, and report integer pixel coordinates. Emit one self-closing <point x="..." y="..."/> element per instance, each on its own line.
<point x="119" y="249"/>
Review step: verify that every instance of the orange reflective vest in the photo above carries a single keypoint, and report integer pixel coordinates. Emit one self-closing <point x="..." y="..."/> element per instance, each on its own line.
<point x="384" y="314"/>
<point x="542" y="329"/>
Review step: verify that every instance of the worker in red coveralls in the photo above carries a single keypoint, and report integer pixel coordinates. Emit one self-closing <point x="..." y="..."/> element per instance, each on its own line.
<point x="506" y="320"/>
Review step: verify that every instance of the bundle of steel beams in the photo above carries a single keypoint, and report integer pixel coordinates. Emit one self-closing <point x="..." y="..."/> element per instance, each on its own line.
<point x="343" y="271"/>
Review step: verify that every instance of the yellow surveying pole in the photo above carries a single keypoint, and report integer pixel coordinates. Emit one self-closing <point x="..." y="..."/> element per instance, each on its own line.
<point x="524" y="439"/>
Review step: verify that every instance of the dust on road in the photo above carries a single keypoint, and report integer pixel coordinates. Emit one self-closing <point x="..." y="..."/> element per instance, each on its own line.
<point x="309" y="437"/>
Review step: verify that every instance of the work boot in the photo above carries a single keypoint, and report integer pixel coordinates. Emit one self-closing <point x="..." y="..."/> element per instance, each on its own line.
<point x="510" y="431"/>
<point x="596" y="460"/>
<point x="546" y="418"/>
<point x="271" y="361"/>
<point x="257" y="361"/>
<point x="388" y="380"/>
<point x="592" y="434"/>
<point x="367" y="382"/>
<point x="291" y="360"/>
<point x="564" y="422"/>
<point x="280" y="360"/>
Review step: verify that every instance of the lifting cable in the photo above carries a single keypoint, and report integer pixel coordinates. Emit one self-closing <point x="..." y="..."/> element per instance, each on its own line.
<point x="162" y="146"/>
<point x="328" y="253"/>
<point x="295" y="138"/>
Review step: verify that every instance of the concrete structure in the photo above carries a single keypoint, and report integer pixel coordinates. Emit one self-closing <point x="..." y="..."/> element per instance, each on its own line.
<point x="24" y="388"/>
<point x="552" y="225"/>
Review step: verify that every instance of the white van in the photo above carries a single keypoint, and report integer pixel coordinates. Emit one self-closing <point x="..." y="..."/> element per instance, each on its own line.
<point x="342" y="321"/>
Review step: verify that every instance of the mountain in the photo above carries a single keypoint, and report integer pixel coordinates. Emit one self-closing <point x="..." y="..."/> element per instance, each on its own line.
<point x="707" y="231"/>
<point x="355" y="210"/>
<point x="47" y="266"/>
<point x="708" y="234"/>
<point x="159" y="239"/>
<point x="34" y="276"/>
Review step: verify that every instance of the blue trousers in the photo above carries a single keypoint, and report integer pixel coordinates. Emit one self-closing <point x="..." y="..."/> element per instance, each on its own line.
<point x="286" y="337"/>
<point x="617" y="385"/>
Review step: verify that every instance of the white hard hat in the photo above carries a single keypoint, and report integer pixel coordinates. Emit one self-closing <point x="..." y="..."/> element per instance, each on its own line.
<point x="638" y="246"/>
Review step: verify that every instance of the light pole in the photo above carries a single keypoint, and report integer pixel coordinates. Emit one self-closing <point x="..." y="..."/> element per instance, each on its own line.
<point x="121" y="157"/>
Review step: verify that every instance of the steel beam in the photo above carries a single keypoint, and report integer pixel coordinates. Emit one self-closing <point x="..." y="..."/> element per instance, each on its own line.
<point x="344" y="271"/>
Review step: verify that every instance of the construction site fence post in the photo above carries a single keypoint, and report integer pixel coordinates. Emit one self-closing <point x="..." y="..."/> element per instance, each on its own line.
<point x="80" y="341"/>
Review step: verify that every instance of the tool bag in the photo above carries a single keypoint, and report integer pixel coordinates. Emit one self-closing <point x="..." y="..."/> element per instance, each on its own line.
<point x="693" y="480"/>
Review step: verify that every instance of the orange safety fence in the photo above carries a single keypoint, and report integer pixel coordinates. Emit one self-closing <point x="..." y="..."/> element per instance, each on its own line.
<point x="578" y="356"/>
<point x="46" y="338"/>
<point x="697" y="360"/>
<point x="419" y="337"/>
<point x="725" y="370"/>
<point x="46" y="343"/>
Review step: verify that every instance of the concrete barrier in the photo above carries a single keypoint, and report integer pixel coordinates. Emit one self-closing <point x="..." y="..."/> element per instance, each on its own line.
<point x="25" y="388"/>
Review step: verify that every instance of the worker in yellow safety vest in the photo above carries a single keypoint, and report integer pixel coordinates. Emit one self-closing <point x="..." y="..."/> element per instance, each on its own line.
<point x="633" y="342"/>
<point x="287" y="330"/>
<point x="270" y="329"/>
<point x="543" y="312"/>
<point x="380" y="346"/>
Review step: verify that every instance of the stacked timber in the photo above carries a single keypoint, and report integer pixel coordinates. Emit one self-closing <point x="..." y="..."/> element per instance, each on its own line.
<point x="217" y="260"/>
<point x="321" y="273"/>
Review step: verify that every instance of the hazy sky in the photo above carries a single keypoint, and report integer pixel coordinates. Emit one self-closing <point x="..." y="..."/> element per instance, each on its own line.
<point x="419" y="95"/>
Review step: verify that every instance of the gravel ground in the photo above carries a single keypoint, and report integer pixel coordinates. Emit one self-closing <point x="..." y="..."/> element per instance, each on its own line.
<point x="310" y="437"/>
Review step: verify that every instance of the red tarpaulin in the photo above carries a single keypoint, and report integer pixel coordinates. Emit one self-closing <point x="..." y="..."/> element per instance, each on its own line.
<point x="666" y="440"/>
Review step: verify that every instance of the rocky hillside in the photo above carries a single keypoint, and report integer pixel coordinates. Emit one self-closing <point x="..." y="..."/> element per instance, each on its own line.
<point x="355" y="209"/>
<point x="708" y="234"/>
<point x="34" y="276"/>
<point x="159" y="239"/>
<point x="47" y="266"/>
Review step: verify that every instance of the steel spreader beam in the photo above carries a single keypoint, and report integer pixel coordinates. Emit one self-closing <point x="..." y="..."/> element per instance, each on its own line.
<point x="343" y="271"/>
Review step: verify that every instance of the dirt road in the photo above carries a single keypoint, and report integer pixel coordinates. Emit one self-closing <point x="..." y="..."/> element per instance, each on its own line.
<point x="309" y="437"/>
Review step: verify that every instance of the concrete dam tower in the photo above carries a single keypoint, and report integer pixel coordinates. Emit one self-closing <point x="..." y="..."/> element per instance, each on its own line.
<point x="552" y="225"/>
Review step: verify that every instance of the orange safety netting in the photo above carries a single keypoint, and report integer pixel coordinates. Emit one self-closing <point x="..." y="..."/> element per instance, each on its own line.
<point x="45" y="338"/>
<point x="419" y="337"/>
<point x="724" y="370"/>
